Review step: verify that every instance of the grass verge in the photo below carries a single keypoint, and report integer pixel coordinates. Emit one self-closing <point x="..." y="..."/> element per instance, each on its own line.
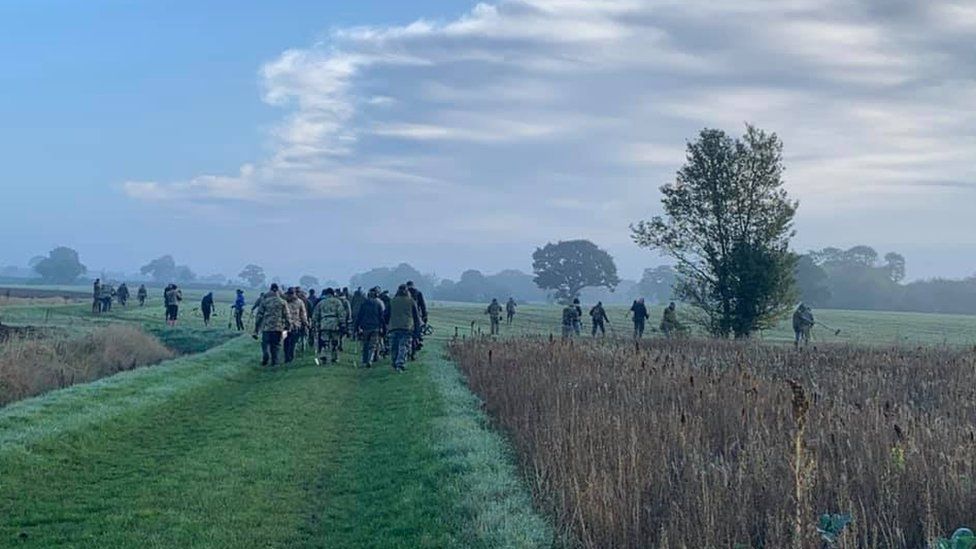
<point x="499" y="507"/>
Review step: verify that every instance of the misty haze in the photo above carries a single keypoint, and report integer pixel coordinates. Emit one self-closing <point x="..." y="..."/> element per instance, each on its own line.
<point x="511" y="273"/>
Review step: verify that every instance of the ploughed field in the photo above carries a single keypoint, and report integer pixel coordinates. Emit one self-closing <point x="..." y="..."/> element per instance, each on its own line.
<point x="720" y="444"/>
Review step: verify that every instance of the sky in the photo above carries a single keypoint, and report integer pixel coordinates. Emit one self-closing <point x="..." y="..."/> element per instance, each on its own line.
<point x="329" y="137"/>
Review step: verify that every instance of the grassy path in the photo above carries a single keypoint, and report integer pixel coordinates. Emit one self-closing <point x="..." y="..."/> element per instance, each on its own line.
<point x="210" y="451"/>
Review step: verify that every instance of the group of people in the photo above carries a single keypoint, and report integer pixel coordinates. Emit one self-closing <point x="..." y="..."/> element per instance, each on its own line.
<point x="104" y="294"/>
<point x="494" y="312"/>
<point x="384" y="325"/>
<point x="572" y="319"/>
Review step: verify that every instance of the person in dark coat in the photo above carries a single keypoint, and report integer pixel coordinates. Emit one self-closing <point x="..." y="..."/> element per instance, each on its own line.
<point x="640" y="316"/>
<point x="369" y="325"/>
<point x="207" y="308"/>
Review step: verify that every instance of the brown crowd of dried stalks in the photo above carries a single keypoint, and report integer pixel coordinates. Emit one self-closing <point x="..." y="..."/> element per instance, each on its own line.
<point x="721" y="444"/>
<point x="31" y="365"/>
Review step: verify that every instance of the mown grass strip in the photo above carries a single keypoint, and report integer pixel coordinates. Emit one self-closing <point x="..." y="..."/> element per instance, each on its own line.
<point x="498" y="506"/>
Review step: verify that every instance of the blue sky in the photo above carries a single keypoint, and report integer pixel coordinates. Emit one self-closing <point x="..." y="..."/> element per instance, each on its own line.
<point x="455" y="135"/>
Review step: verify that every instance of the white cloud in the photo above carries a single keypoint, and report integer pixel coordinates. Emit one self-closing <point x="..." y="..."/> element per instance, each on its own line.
<point x="532" y="106"/>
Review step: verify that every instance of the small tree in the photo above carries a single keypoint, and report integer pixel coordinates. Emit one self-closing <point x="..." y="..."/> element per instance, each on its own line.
<point x="308" y="281"/>
<point x="728" y="224"/>
<point x="61" y="266"/>
<point x="253" y="275"/>
<point x="565" y="268"/>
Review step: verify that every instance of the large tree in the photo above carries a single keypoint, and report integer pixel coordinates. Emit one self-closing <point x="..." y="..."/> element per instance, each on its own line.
<point x="164" y="269"/>
<point x="161" y="269"/>
<point x="390" y="278"/>
<point x="253" y="275"/>
<point x="565" y="268"/>
<point x="728" y="223"/>
<point x="61" y="266"/>
<point x="658" y="284"/>
<point x="308" y="281"/>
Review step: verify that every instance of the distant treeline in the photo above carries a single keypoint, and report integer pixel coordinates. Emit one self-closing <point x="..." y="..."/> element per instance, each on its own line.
<point x="859" y="278"/>
<point x="476" y="287"/>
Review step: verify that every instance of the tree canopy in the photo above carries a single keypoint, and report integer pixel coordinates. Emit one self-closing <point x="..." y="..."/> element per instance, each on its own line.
<point x="61" y="266"/>
<point x="728" y="223"/>
<point x="565" y="268"/>
<point x="253" y="275"/>
<point x="390" y="278"/>
<point x="164" y="269"/>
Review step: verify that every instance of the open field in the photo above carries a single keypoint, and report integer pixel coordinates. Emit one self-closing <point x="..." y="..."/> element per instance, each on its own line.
<point x="856" y="327"/>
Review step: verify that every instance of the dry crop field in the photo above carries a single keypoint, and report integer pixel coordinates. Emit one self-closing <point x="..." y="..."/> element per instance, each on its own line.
<point x="723" y="444"/>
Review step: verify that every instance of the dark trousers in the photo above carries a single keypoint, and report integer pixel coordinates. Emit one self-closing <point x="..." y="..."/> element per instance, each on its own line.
<point x="270" y="346"/>
<point x="638" y="329"/>
<point x="207" y="313"/>
<point x="239" y="319"/>
<point x="400" y="342"/>
<point x="598" y="325"/>
<point x="371" y="341"/>
<point x="496" y="324"/>
<point x="294" y="337"/>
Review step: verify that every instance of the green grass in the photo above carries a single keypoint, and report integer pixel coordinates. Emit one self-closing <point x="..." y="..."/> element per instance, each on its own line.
<point x="856" y="327"/>
<point x="190" y="335"/>
<point x="211" y="451"/>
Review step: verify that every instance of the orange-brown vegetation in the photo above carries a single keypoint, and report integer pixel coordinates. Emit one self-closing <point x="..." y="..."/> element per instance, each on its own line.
<point x="725" y="444"/>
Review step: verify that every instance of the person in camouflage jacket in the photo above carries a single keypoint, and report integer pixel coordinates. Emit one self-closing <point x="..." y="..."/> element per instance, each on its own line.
<point x="297" y="323"/>
<point x="271" y="320"/>
<point x="328" y="321"/>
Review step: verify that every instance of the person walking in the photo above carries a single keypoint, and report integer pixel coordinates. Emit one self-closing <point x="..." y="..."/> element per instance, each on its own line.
<point x="327" y="325"/>
<point x="494" y="312"/>
<point x="570" y="320"/>
<point x="418" y="331"/>
<point x="123" y="294"/>
<point x="346" y="323"/>
<point x="404" y="316"/>
<point x="207" y="308"/>
<point x="640" y="316"/>
<point x="368" y="325"/>
<point x="297" y="323"/>
<point x="172" y="297"/>
<point x="510" y="307"/>
<point x="239" y="305"/>
<point x="598" y="317"/>
<point x="803" y="323"/>
<point x="355" y="302"/>
<point x="142" y="295"/>
<point x="97" y="296"/>
<point x="271" y="322"/>
<point x="578" y="324"/>
<point x="108" y="293"/>
<point x="669" y="320"/>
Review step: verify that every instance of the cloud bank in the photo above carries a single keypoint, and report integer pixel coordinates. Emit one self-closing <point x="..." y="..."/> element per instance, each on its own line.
<point x="537" y="119"/>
